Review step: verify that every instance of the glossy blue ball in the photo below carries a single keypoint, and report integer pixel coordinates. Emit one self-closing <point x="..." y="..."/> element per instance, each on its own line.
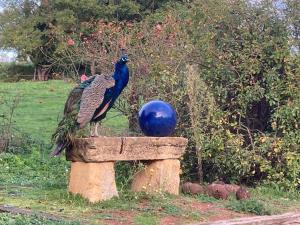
<point x="157" y="118"/>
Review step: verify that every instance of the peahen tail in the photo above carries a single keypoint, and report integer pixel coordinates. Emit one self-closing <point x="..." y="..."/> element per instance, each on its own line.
<point x="64" y="134"/>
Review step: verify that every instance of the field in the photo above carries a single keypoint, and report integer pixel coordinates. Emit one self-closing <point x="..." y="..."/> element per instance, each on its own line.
<point x="40" y="106"/>
<point x="34" y="181"/>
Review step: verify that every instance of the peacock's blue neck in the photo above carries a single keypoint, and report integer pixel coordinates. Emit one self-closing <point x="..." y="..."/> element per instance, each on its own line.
<point x="121" y="76"/>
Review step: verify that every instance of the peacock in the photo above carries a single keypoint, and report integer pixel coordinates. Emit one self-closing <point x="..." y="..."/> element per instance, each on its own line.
<point x="89" y="102"/>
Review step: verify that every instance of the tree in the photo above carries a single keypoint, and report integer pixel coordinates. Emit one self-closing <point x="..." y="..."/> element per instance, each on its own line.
<point x="36" y="28"/>
<point x="27" y="28"/>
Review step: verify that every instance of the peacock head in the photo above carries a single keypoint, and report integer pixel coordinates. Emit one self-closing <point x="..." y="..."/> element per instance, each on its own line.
<point x="121" y="69"/>
<point x="124" y="59"/>
<point x="121" y="63"/>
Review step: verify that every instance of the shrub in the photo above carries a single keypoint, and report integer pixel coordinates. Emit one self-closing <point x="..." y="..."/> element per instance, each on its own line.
<point x="245" y="59"/>
<point x="16" y="71"/>
<point x="229" y="70"/>
<point x="7" y="218"/>
<point x="11" y="139"/>
<point x="248" y="206"/>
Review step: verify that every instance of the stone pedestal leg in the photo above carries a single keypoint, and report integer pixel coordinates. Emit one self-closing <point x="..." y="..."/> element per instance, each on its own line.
<point x="160" y="175"/>
<point x="94" y="181"/>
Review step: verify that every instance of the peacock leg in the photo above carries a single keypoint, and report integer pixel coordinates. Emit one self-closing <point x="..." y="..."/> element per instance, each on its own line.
<point x="96" y="129"/>
<point x="91" y="129"/>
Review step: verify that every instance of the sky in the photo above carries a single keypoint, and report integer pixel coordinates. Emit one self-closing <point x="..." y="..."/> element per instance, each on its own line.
<point x="7" y="56"/>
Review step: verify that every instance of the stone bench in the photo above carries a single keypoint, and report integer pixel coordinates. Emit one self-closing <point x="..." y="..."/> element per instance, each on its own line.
<point x="92" y="169"/>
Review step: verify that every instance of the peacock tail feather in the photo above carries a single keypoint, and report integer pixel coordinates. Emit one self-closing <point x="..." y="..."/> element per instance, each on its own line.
<point x="65" y="130"/>
<point x="79" y="110"/>
<point x="67" y="127"/>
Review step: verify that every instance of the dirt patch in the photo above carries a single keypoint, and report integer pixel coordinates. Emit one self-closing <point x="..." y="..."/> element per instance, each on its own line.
<point x="207" y="211"/>
<point x="190" y="204"/>
<point x="224" y="214"/>
<point x="171" y="220"/>
<point x="201" y="207"/>
<point x="115" y="217"/>
<point x="175" y="220"/>
<point x="214" y="212"/>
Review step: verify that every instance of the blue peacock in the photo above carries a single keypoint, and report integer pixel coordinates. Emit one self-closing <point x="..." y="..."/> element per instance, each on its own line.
<point x="89" y="102"/>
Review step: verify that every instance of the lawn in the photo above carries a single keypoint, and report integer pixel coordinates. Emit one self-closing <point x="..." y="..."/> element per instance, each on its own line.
<point x="33" y="180"/>
<point x="40" y="106"/>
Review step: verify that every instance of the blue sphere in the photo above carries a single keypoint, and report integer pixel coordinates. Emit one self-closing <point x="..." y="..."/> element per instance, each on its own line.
<point x="157" y="118"/>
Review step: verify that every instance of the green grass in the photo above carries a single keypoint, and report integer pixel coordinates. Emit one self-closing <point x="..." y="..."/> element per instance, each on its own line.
<point x="249" y="206"/>
<point x="266" y="200"/>
<point x="146" y="219"/>
<point x="8" y="219"/>
<point x="41" y="105"/>
<point x="35" y="169"/>
<point x="206" y="198"/>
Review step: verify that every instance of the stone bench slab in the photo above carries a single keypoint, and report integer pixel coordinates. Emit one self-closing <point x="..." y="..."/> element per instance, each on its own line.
<point x="104" y="149"/>
<point x="92" y="169"/>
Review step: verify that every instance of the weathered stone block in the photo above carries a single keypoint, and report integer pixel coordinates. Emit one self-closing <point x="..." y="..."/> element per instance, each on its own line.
<point x="158" y="176"/>
<point x="93" y="181"/>
<point x="103" y="149"/>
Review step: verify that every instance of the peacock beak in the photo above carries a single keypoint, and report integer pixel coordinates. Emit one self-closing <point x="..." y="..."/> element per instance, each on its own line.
<point x="125" y="60"/>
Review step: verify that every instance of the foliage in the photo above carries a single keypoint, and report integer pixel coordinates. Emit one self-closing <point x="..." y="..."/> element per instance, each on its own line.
<point x="11" y="72"/>
<point x="159" y="54"/>
<point x="6" y="126"/>
<point x="207" y="198"/>
<point x="35" y="28"/>
<point x="33" y="168"/>
<point x="146" y="219"/>
<point x="26" y="27"/>
<point x="91" y="53"/>
<point x="229" y="71"/>
<point x="249" y="206"/>
<point x="7" y="219"/>
<point x="11" y="139"/>
<point x="125" y="174"/>
<point x="246" y="62"/>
